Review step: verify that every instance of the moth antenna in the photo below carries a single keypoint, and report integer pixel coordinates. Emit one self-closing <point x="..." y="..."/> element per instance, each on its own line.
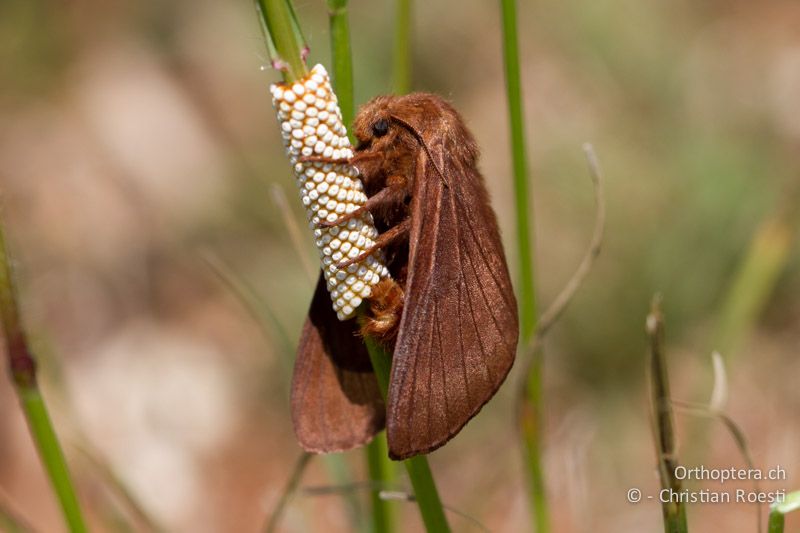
<point x="417" y="135"/>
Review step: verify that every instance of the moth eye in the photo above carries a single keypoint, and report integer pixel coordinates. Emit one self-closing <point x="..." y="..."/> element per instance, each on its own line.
<point x="380" y="128"/>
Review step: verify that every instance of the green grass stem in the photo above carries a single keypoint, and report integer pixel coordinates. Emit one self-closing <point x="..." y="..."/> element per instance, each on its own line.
<point x="531" y="412"/>
<point x="283" y="35"/>
<point x="778" y="511"/>
<point x="674" y="513"/>
<point x="278" y="21"/>
<point x="382" y="474"/>
<point x="380" y="468"/>
<point x="516" y="116"/>
<point x="401" y="64"/>
<point x="284" y="39"/>
<point x="532" y="432"/>
<point x="342" y="58"/>
<point x="776" y="523"/>
<point x="425" y="492"/>
<point x="23" y="372"/>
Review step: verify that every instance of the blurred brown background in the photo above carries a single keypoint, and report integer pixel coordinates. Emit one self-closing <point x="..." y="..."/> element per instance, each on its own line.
<point x="137" y="144"/>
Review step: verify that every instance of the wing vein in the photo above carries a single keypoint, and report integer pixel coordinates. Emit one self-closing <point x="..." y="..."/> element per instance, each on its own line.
<point x="441" y="368"/>
<point x="489" y="307"/>
<point x="483" y="255"/>
<point x="430" y="367"/>
<point x="459" y="334"/>
<point x="461" y="283"/>
<point x="480" y="341"/>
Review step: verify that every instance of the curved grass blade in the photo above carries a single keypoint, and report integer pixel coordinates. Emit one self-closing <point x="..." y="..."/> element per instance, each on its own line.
<point x="23" y="373"/>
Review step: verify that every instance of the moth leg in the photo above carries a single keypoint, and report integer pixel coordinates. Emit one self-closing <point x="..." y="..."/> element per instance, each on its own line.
<point x="323" y="159"/>
<point x="394" y="193"/>
<point x="360" y="156"/>
<point x="384" y="239"/>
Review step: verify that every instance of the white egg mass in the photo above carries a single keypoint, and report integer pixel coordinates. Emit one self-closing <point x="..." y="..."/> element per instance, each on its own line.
<point x="311" y="123"/>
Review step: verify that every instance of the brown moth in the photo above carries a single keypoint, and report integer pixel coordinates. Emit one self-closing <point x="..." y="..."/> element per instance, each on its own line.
<point x="449" y="312"/>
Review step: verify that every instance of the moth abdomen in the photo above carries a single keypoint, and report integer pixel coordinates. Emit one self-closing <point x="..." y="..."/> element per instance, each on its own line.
<point x="386" y="306"/>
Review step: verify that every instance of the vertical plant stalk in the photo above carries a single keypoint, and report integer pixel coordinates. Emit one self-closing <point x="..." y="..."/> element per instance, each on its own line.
<point x="287" y="49"/>
<point x="283" y="38"/>
<point x="379" y="467"/>
<point x="532" y="432"/>
<point x="531" y="418"/>
<point x="425" y="492"/>
<point x="401" y="66"/>
<point x="381" y="475"/>
<point x="529" y="408"/>
<point x="419" y="472"/>
<point x="23" y="373"/>
<point x="674" y="513"/>
<point x="516" y="118"/>
<point x="779" y="510"/>
<point x="342" y="58"/>
<point x="776" y="522"/>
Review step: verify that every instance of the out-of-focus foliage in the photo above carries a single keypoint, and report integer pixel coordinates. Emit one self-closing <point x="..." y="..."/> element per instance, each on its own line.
<point x="137" y="136"/>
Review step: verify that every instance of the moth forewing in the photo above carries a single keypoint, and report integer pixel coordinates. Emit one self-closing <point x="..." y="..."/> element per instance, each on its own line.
<point x="458" y="331"/>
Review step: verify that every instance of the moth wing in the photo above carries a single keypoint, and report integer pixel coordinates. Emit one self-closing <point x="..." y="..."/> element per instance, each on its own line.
<point x="459" y="329"/>
<point x="335" y="400"/>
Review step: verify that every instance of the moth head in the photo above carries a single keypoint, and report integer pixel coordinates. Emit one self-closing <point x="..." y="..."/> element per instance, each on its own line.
<point x="373" y="126"/>
<point x="414" y="121"/>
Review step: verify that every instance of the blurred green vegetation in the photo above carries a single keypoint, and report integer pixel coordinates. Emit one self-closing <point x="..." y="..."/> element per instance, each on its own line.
<point x="680" y="99"/>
